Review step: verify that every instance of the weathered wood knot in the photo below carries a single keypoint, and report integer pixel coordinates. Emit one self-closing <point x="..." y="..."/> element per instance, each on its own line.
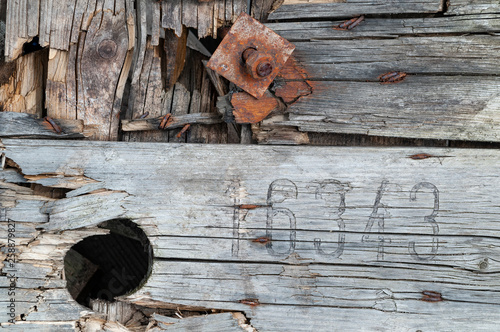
<point x="107" y="48"/>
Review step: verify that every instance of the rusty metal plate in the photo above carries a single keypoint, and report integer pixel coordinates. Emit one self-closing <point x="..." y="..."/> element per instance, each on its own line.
<point x="258" y="71"/>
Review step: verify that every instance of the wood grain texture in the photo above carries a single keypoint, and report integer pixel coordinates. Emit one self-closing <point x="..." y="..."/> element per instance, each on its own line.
<point x="384" y="238"/>
<point x="353" y="8"/>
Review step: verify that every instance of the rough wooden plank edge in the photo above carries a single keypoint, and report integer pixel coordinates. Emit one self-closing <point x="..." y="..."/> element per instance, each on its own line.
<point x="178" y="121"/>
<point x="22" y="125"/>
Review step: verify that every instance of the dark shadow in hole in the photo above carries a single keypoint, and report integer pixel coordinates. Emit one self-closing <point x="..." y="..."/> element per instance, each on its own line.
<point x="31" y="46"/>
<point x="107" y="266"/>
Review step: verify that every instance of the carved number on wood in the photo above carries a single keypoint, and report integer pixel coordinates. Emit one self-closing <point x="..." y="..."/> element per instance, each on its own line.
<point x="431" y="219"/>
<point x="278" y="192"/>
<point x="329" y="191"/>
<point x="325" y="190"/>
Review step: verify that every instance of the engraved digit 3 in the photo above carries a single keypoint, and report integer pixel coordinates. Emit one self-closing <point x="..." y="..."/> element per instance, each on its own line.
<point x="431" y="219"/>
<point x="325" y="189"/>
<point x="279" y="191"/>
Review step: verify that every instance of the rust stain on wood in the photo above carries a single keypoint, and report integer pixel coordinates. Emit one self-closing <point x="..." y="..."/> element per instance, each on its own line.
<point x="262" y="239"/>
<point x="431" y="296"/>
<point x="292" y="82"/>
<point x="392" y="77"/>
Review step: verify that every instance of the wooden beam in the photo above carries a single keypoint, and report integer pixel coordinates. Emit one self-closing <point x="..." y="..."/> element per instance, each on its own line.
<point x="380" y="237"/>
<point x="466" y="7"/>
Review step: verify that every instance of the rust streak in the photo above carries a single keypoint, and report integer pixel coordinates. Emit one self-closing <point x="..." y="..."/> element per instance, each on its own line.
<point x="262" y="239"/>
<point x="250" y="302"/>
<point x="419" y="156"/>
<point x="431" y="296"/>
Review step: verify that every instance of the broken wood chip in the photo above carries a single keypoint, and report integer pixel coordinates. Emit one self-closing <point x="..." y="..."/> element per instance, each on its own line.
<point x="392" y="77"/>
<point x="350" y="24"/>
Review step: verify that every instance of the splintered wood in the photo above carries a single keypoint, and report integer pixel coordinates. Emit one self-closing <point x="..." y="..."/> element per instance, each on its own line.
<point x="398" y="239"/>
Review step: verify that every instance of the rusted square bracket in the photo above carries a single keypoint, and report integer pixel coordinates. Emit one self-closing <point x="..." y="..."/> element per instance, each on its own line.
<point x="251" y="55"/>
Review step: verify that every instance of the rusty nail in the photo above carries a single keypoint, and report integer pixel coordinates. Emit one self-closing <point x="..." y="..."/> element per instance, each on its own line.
<point x="183" y="130"/>
<point x="144" y="115"/>
<point x="349" y="24"/>
<point x="164" y="121"/>
<point x="262" y="239"/>
<point x="419" y="156"/>
<point x="392" y="77"/>
<point x="430" y="296"/>
<point x="250" y="302"/>
<point x="249" y="206"/>
<point x="54" y="125"/>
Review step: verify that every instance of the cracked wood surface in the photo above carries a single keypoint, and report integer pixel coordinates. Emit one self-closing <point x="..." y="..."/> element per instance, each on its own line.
<point x="384" y="238"/>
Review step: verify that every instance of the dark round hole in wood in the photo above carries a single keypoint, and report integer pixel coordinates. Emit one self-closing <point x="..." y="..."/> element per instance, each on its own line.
<point x="107" y="266"/>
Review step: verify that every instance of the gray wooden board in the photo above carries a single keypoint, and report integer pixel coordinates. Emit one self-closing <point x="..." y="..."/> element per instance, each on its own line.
<point x="353" y="8"/>
<point x="439" y="107"/>
<point x="460" y="7"/>
<point x="388" y="28"/>
<point x="451" y="91"/>
<point x="357" y="236"/>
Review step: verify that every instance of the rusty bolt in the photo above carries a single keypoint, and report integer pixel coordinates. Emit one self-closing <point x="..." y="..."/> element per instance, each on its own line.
<point x="107" y="48"/>
<point x="258" y="64"/>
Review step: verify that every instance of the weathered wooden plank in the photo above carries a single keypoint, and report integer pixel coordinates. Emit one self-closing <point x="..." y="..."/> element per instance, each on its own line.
<point x="45" y="22"/>
<point x="23" y="125"/>
<point x="388" y="28"/>
<point x="352" y="8"/>
<point x="397" y="237"/>
<point x="458" y="108"/>
<point x="61" y="24"/>
<point x="465" y="7"/>
<point x="33" y="10"/>
<point x="217" y="322"/>
<point x="366" y="59"/>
